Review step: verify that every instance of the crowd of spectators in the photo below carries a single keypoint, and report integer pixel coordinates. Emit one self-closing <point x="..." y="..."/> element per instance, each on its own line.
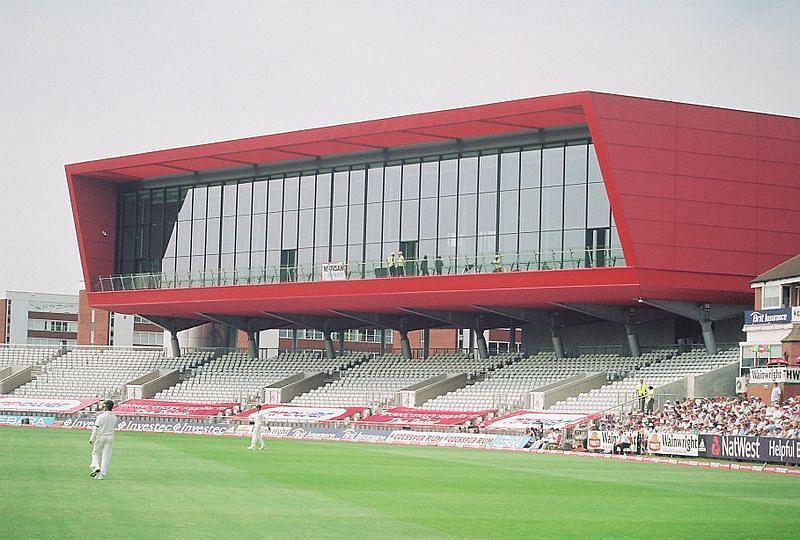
<point x="717" y="415"/>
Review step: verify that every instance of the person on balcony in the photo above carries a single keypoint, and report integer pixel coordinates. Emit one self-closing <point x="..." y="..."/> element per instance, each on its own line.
<point x="390" y="264"/>
<point x="400" y="264"/>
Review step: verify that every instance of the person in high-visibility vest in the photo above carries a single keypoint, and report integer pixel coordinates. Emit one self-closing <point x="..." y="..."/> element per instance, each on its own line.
<point x="641" y="392"/>
<point x="650" y="399"/>
<point x="497" y="263"/>
<point x="400" y="264"/>
<point x="390" y="264"/>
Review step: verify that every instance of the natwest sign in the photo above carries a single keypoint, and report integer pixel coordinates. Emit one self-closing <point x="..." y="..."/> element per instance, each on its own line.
<point x="768" y="316"/>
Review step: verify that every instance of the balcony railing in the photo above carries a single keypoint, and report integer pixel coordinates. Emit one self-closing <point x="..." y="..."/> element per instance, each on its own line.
<point x="481" y="264"/>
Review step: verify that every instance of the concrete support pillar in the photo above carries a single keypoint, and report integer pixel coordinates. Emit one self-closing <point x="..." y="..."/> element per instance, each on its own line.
<point x="483" y="350"/>
<point x="341" y="341"/>
<point x="512" y="339"/>
<point x="330" y="354"/>
<point x="426" y="337"/>
<point x="294" y="339"/>
<point x="708" y="337"/>
<point x="175" y="346"/>
<point x="383" y="341"/>
<point x="633" y="340"/>
<point x="405" y="344"/>
<point x="252" y="344"/>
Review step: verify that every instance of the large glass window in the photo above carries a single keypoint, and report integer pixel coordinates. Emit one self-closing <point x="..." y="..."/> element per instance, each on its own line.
<point x="539" y="206"/>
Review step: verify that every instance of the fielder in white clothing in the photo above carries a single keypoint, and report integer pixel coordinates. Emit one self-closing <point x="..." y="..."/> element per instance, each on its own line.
<point x="102" y="439"/>
<point x="258" y="429"/>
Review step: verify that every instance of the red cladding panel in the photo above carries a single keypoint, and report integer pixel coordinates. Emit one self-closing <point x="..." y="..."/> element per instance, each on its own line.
<point x="779" y="150"/>
<point x="779" y="127"/>
<point x="641" y="159"/>
<point x="783" y="174"/>
<point x="637" y="134"/>
<point x="713" y="191"/>
<point x="634" y="109"/>
<point x="703" y="166"/>
<point x="645" y="183"/>
<point x="715" y="119"/>
<point x="721" y="144"/>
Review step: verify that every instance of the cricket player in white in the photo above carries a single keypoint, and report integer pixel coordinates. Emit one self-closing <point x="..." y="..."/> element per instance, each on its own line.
<point x="102" y="439"/>
<point x="258" y="426"/>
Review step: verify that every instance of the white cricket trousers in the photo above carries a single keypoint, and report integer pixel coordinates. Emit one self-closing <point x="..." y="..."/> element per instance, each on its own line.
<point x="101" y="453"/>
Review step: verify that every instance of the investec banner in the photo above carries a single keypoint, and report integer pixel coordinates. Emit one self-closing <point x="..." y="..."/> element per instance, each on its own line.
<point x="674" y="444"/>
<point x="768" y="316"/>
<point x="522" y="420"/>
<point x="289" y="413"/>
<point x="152" y="407"/>
<point x="776" y="374"/>
<point x="460" y="440"/>
<point x="190" y="428"/>
<point x="407" y="416"/>
<point x="604" y="441"/>
<point x="764" y="449"/>
<point x="50" y="405"/>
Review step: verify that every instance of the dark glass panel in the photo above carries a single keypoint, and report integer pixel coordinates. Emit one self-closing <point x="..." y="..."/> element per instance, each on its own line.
<point x="129" y="209"/>
<point x="185" y="197"/>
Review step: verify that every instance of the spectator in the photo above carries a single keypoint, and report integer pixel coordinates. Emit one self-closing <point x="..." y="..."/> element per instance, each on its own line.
<point x="423" y="265"/>
<point x="400" y="264"/>
<point x="497" y="264"/>
<point x="623" y="442"/>
<point x="390" y="264"/>
<point x="438" y="264"/>
<point x="775" y="395"/>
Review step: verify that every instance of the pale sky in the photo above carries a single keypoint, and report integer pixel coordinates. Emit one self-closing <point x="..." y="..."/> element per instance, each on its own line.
<point x="81" y="80"/>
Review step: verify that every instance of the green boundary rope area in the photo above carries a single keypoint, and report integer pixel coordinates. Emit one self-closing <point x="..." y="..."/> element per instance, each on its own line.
<point x="180" y="486"/>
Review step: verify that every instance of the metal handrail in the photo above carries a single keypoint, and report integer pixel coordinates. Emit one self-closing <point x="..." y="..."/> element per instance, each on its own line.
<point x="477" y="264"/>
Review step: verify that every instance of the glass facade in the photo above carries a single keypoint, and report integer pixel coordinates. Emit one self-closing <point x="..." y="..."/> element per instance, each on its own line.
<point x="539" y="207"/>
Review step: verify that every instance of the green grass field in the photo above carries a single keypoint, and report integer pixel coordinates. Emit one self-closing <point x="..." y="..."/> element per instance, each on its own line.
<point x="178" y="486"/>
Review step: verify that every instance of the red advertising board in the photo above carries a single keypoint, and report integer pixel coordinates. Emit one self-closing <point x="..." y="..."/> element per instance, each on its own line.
<point x="406" y="416"/>
<point x="292" y="413"/>
<point x="51" y="405"/>
<point x="152" y="407"/>
<point x="522" y="420"/>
